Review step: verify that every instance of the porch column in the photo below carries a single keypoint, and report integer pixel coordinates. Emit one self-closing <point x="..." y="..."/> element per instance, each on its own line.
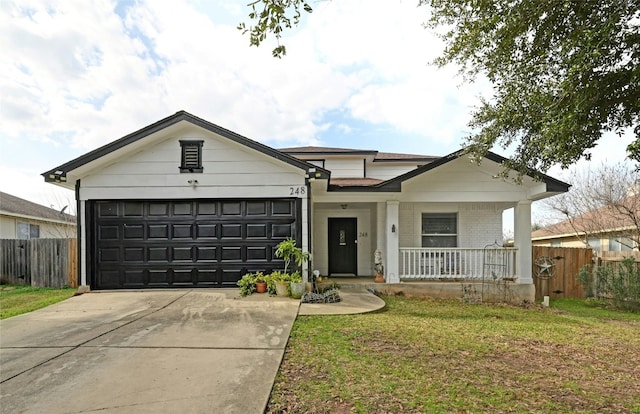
<point x="381" y="227"/>
<point x="392" y="266"/>
<point x="522" y="241"/>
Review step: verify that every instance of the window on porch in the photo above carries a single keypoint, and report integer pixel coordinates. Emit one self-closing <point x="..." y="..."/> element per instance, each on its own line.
<point x="439" y="229"/>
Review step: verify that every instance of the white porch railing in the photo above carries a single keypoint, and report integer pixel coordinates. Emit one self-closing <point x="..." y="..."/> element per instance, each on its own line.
<point x="457" y="263"/>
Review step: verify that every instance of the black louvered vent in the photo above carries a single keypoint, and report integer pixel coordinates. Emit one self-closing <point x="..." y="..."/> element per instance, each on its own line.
<point x="191" y="156"/>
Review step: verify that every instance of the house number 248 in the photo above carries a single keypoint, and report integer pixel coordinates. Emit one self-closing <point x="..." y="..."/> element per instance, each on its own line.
<point x="297" y="191"/>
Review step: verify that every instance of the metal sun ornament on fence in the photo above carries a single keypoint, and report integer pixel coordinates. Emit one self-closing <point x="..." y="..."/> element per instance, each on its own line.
<point x="545" y="266"/>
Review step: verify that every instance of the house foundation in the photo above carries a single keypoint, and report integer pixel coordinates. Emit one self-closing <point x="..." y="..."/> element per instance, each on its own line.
<point x="492" y="292"/>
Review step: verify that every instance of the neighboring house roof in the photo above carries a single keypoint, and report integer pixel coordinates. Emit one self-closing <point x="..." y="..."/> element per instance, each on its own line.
<point x="602" y="220"/>
<point x="14" y="206"/>
<point x="59" y="173"/>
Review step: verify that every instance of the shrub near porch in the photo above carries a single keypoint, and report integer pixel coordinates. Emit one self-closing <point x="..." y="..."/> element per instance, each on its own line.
<point x="444" y="356"/>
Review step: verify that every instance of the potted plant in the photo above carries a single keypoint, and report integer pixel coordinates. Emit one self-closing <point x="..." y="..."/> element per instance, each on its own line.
<point x="288" y="251"/>
<point x="261" y="282"/>
<point x="281" y="281"/>
<point x="298" y="287"/>
<point x="247" y="284"/>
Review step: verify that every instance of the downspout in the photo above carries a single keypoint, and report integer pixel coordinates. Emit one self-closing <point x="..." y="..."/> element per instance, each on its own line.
<point x="78" y="234"/>
<point x="309" y="238"/>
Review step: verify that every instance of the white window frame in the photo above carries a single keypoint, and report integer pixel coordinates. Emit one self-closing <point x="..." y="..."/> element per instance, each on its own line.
<point x="448" y="216"/>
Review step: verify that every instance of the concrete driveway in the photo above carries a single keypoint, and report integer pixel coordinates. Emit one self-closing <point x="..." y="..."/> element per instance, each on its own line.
<point x="177" y="351"/>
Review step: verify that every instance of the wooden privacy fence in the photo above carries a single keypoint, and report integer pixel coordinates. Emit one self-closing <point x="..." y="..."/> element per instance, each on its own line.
<point x="561" y="281"/>
<point x="39" y="262"/>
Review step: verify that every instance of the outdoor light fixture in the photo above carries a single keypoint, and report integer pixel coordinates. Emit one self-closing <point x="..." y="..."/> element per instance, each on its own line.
<point x="393" y="228"/>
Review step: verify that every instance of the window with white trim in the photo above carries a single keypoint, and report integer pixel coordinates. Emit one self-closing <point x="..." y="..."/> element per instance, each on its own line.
<point x="191" y="159"/>
<point x="439" y="230"/>
<point x="620" y="244"/>
<point x="28" y="231"/>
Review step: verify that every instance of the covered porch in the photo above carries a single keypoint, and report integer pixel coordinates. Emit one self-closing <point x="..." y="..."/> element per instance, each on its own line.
<point x="398" y="231"/>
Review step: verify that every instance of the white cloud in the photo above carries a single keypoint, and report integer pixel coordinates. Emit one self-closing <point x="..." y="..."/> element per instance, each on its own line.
<point x="75" y="75"/>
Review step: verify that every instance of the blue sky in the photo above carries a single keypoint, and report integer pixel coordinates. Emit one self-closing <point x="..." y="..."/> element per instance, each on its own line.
<point x="77" y="74"/>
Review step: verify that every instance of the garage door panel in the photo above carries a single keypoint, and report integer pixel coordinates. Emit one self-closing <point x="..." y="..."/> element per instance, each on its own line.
<point x="257" y="231"/>
<point x="258" y="253"/>
<point x="134" y="231"/>
<point x="231" y="208"/>
<point x="133" y="209"/>
<point x="207" y="208"/>
<point x="158" y="209"/>
<point x="206" y="254"/>
<point x="134" y="254"/>
<point x="109" y="279"/>
<point x="158" y="254"/>
<point x="181" y="231"/>
<point x="207" y="277"/>
<point x="134" y="278"/>
<point x="206" y="230"/>
<point x="182" y="254"/>
<point x="257" y="208"/>
<point x="158" y="231"/>
<point x="108" y="232"/>
<point x="281" y="231"/>
<point x="183" y="276"/>
<point x="110" y="255"/>
<point x="157" y="243"/>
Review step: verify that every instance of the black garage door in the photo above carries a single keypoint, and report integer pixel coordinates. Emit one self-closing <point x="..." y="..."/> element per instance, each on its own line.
<point x="186" y="243"/>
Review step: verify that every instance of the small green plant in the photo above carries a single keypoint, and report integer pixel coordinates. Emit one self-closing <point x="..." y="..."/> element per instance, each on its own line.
<point x="617" y="283"/>
<point x="296" y="277"/>
<point x="288" y="251"/>
<point x="247" y="284"/>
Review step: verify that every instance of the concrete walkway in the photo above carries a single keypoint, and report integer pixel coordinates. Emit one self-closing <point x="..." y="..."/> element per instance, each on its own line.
<point x="177" y="351"/>
<point x="354" y="300"/>
<point x="166" y="351"/>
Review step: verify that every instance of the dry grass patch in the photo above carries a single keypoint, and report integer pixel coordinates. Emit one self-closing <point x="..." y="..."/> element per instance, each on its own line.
<point x="444" y="356"/>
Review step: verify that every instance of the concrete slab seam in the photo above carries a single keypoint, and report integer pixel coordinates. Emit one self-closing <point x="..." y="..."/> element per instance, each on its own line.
<point x="94" y="338"/>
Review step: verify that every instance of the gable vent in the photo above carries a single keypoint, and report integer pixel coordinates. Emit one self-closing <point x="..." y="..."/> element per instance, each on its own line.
<point x="191" y="161"/>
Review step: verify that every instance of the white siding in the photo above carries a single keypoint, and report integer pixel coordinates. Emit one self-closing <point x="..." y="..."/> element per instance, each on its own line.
<point x="350" y="168"/>
<point x="479" y="224"/>
<point x="462" y="181"/>
<point x="388" y="171"/>
<point x="231" y="170"/>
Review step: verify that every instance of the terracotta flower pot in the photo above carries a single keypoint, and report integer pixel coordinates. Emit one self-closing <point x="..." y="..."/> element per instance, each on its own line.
<point x="261" y="287"/>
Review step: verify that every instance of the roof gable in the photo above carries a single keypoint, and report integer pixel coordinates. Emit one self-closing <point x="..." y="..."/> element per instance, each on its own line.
<point x="59" y="174"/>
<point x="395" y="184"/>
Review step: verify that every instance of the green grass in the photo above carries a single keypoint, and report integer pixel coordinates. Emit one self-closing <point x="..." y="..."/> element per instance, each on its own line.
<point x="17" y="299"/>
<point x="445" y="356"/>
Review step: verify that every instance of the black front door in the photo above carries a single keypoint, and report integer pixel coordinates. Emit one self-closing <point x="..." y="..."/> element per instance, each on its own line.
<point x="343" y="246"/>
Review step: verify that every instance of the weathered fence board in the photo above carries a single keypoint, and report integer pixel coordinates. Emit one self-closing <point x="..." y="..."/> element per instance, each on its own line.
<point x="563" y="282"/>
<point x="39" y="262"/>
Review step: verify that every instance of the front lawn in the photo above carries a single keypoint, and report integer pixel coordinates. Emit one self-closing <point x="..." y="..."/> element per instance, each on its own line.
<point x="431" y="356"/>
<point x="18" y="299"/>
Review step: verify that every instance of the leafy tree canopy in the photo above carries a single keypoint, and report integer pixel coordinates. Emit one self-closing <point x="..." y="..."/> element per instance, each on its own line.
<point x="564" y="71"/>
